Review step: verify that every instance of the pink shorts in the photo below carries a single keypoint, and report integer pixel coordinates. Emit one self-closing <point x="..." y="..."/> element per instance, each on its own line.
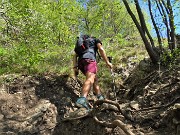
<point x="87" y="65"/>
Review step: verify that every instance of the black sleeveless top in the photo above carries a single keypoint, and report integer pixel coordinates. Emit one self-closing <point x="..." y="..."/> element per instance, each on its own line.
<point x="91" y="53"/>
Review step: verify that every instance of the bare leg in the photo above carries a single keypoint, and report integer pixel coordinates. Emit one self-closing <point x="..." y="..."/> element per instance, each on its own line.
<point x="90" y="77"/>
<point x="96" y="87"/>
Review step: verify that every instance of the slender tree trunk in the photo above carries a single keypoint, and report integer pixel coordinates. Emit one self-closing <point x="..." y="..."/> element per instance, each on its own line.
<point x="153" y="55"/>
<point x="164" y="17"/>
<point x="155" y="26"/>
<point x="171" y="22"/>
<point x="165" y="6"/>
<point x="143" y="22"/>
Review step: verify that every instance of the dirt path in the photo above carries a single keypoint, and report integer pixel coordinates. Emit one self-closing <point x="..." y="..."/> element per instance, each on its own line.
<point x="148" y="104"/>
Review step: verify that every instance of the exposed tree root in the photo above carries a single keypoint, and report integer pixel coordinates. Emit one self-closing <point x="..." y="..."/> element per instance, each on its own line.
<point x="158" y="107"/>
<point x="76" y="118"/>
<point x="84" y="113"/>
<point x="94" y="110"/>
<point x="99" y="102"/>
<point x="93" y="113"/>
<point x="114" y="124"/>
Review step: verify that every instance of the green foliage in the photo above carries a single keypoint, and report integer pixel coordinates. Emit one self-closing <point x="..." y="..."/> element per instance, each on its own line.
<point x="20" y="58"/>
<point x="50" y="23"/>
<point x="30" y="59"/>
<point x="3" y="59"/>
<point x="37" y="33"/>
<point x="38" y="36"/>
<point x="169" y="58"/>
<point x="107" y="19"/>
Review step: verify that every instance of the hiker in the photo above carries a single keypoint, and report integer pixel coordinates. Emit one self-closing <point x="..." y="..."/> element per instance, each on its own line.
<point x="86" y="63"/>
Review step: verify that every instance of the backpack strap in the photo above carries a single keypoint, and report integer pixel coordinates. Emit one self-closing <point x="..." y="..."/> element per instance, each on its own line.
<point x="99" y="55"/>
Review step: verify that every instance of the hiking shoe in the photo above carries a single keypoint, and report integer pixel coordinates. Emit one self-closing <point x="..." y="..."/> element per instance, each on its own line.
<point x="82" y="103"/>
<point x="100" y="97"/>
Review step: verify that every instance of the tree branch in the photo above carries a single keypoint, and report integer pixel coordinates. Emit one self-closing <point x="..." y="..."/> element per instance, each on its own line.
<point x="142" y="21"/>
<point x="164" y="17"/>
<point x="155" y="26"/>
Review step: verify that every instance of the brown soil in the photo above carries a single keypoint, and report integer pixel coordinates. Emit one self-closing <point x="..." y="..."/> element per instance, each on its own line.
<point x="147" y="103"/>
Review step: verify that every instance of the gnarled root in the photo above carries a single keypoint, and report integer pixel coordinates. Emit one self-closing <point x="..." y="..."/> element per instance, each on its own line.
<point x="99" y="102"/>
<point x="114" y="124"/>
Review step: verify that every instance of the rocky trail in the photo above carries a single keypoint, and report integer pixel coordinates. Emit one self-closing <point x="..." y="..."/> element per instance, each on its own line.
<point x="147" y="103"/>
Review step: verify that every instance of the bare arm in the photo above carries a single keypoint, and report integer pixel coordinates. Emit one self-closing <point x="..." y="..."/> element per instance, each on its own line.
<point x="75" y="64"/>
<point x="103" y="55"/>
<point x="75" y="60"/>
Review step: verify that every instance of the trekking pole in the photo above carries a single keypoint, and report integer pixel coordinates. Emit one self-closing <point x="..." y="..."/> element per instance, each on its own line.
<point x="113" y="79"/>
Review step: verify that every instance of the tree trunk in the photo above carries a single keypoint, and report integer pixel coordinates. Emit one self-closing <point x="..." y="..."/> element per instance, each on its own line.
<point x="164" y="17"/>
<point x="155" y="26"/>
<point x="171" y="22"/>
<point x="153" y="55"/>
<point x="143" y="23"/>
